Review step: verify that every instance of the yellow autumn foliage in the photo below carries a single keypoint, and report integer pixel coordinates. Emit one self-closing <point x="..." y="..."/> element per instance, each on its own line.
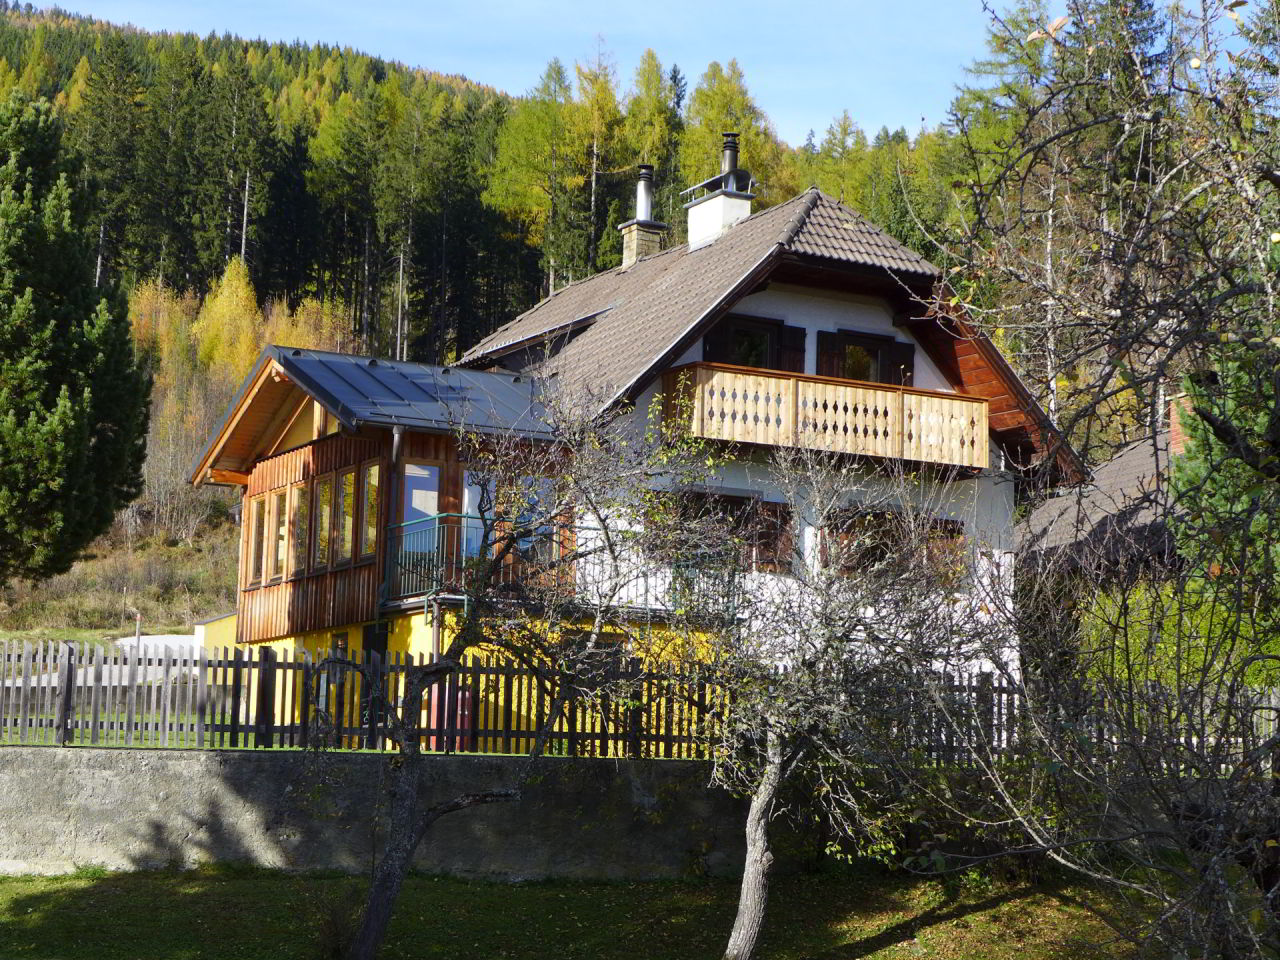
<point x="228" y="331"/>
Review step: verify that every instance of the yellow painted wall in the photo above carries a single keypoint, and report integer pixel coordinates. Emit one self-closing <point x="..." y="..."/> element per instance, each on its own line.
<point x="215" y="634"/>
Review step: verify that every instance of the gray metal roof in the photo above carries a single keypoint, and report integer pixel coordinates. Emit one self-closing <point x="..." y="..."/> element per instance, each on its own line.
<point x="366" y="390"/>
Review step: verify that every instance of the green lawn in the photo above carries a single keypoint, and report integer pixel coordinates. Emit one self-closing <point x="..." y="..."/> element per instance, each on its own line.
<point x="248" y="913"/>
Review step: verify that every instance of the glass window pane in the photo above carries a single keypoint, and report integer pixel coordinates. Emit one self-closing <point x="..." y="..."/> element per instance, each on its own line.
<point x="860" y="363"/>
<point x="372" y="476"/>
<point x="301" y="515"/>
<point x="475" y="506"/>
<point x="257" y="532"/>
<point x="323" y="501"/>
<point x="280" y="532"/>
<point x="421" y="492"/>
<point x="346" y="514"/>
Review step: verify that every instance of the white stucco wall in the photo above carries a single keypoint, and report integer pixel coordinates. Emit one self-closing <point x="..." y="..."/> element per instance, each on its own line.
<point x="983" y="504"/>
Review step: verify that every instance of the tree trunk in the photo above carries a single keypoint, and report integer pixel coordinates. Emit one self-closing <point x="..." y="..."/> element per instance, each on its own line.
<point x="595" y="179"/>
<point x="97" y="271"/>
<point x="754" y="894"/>
<point x="406" y="827"/>
<point x="244" y="216"/>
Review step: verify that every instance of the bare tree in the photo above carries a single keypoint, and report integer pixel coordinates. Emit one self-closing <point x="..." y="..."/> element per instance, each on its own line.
<point x="554" y="571"/>
<point x="821" y="663"/>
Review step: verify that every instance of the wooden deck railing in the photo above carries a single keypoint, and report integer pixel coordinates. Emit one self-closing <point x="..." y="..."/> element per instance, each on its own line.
<point x="769" y="407"/>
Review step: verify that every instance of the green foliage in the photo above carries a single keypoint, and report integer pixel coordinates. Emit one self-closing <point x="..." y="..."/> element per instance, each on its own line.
<point x="73" y="401"/>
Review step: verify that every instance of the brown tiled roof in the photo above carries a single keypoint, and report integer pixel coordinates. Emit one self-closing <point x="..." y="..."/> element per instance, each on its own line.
<point x="1120" y="514"/>
<point x="645" y="312"/>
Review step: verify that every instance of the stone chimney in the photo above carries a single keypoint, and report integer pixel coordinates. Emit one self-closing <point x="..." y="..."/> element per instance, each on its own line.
<point x="724" y="200"/>
<point x="641" y="236"/>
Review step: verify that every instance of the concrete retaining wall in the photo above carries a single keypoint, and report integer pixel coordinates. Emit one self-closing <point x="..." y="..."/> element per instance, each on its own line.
<point x="126" y="809"/>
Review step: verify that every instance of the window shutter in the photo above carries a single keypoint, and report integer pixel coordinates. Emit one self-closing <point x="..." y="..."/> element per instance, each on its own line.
<point x="830" y="354"/>
<point x="791" y="349"/>
<point x="900" y="363"/>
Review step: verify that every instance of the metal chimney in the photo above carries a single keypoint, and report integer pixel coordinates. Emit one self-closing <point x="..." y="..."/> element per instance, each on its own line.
<point x="729" y="157"/>
<point x="642" y="235"/>
<point x="644" y="193"/>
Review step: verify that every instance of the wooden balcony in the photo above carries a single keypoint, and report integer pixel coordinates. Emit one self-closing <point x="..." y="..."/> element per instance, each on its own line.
<point x="746" y="405"/>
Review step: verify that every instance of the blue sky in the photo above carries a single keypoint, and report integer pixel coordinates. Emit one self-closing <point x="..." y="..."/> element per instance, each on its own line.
<point x="890" y="62"/>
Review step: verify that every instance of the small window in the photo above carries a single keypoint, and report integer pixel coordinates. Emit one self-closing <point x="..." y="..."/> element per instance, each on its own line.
<point x="322" y="505"/>
<point x="369" y="510"/>
<point x="301" y="505"/>
<point x="345" y="516"/>
<point x="257" y="535"/>
<point x="279" y="533"/>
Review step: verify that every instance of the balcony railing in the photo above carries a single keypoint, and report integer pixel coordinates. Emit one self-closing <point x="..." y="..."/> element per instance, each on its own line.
<point x="453" y="554"/>
<point x="746" y="405"/>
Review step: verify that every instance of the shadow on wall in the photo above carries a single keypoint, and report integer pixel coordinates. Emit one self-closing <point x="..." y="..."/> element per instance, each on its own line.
<point x="579" y="819"/>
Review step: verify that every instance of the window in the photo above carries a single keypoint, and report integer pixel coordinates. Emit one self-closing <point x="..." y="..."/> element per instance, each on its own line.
<point x="322" y="505"/>
<point x="865" y="356"/>
<point x="257" y="535"/>
<point x="760" y="530"/>
<point x="477" y="504"/>
<point x="859" y="540"/>
<point x="755" y="342"/>
<point x="298" y="527"/>
<point x="421" y="496"/>
<point x="531" y="501"/>
<point x="279" y="533"/>
<point x="345" y="516"/>
<point x="370" y="492"/>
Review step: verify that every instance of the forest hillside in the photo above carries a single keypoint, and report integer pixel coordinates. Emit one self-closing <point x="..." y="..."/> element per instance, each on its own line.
<point x="249" y="191"/>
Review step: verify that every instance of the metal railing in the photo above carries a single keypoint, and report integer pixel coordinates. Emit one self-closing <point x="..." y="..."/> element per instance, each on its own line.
<point x="457" y="554"/>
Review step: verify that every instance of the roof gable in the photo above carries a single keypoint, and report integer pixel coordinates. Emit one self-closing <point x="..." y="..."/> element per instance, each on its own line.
<point x="630" y="324"/>
<point x="359" y="392"/>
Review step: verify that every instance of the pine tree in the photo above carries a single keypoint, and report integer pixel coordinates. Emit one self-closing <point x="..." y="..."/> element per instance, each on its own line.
<point x="108" y="130"/>
<point x="73" y="401"/>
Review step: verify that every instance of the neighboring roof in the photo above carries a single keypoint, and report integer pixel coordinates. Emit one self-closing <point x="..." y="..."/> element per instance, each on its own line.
<point x="366" y="391"/>
<point x="614" y="331"/>
<point x="1119" y="515"/>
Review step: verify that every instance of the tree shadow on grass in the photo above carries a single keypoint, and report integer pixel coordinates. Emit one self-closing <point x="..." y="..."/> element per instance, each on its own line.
<point x="849" y="923"/>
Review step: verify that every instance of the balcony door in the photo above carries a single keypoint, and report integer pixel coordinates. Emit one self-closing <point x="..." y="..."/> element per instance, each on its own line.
<point x="420" y="541"/>
<point x="863" y="356"/>
<point x="755" y="342"/>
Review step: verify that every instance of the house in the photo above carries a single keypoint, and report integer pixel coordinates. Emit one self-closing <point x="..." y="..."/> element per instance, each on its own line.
<point x="801" y="325"/>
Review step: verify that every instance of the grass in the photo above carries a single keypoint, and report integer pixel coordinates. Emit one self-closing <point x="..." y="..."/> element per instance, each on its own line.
<point x="248" y="913"/>
<point x="172" y="584"/>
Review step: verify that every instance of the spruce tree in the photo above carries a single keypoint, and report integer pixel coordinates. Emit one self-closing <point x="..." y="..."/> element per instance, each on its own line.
<point x="73" y="400"/>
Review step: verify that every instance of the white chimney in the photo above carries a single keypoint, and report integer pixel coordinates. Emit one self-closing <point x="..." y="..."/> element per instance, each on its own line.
<point x="725" y="200"/>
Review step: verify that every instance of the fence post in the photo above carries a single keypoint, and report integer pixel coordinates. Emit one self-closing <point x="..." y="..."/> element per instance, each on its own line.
<point x="631" y="712"/>
<point x="62" y="729"/>
<point x="985" y="706"/>
<point x="264" y="727"/>
<point x="373" y="688"/>
<point x="304" y="706"/>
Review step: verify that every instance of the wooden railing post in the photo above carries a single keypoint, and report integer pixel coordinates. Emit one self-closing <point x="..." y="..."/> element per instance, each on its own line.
<point x="62" y="725"/>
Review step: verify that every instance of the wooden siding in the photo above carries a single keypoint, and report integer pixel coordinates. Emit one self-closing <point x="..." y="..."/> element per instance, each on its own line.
<point x="314" y="601"/>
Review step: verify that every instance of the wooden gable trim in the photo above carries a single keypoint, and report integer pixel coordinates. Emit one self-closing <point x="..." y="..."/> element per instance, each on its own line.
<point x="237" y="414"/>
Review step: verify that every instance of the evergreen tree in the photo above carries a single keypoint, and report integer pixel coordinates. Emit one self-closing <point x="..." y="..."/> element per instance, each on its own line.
<point x="108" y="128"/>
<point x="73" y="402"/>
